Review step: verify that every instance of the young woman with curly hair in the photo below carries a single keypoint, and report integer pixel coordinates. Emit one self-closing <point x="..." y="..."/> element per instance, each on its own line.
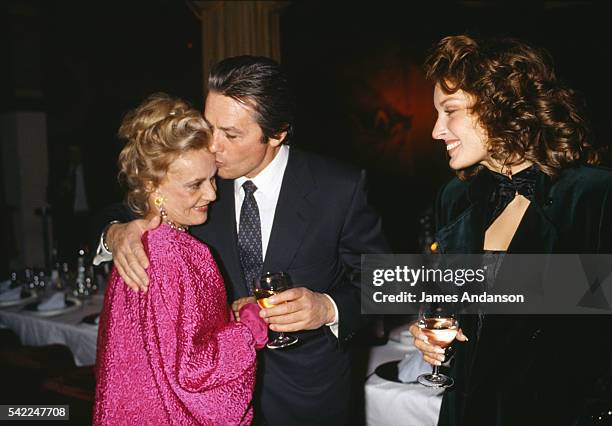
<point x="527" y="182"/>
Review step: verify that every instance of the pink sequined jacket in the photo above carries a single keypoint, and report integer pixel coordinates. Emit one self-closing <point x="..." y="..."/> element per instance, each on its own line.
<point x="173" y="355"/>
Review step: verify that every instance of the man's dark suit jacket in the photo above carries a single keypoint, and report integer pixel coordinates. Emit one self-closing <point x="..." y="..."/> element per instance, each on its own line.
<point x="528" y="369"/>
<point x="321" y="227"/>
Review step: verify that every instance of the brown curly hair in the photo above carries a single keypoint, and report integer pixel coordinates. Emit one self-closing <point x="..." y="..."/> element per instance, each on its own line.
<point x="157" y="132"/>
<point x="525" y="111"/>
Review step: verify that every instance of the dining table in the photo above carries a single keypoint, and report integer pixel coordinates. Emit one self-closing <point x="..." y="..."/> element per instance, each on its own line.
<point x="65" y="327"/>
<point x="389" y="402"/>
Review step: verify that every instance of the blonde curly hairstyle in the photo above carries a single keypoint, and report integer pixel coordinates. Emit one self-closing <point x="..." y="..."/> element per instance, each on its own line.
<point x="157" y="132"/>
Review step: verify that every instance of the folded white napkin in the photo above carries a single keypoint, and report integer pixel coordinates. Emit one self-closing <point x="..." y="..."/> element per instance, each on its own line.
<point x="4" y="285"/>
<point x="57" y="301"/>
<point x="12" y="294"/>
<point x="400" y="334"/>
<point x="412" y="366"/>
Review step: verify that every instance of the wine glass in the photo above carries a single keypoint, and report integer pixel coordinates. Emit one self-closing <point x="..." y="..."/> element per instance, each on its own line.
<point x="441" y="328"/>
<point x="266" y="286"/>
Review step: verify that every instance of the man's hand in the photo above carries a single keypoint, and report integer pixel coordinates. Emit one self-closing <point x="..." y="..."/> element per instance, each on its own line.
<point x="431" y="353"/>
<point x="239" y="303"/>
<point x="298" y="309"/>
<point x="128" y="252"/>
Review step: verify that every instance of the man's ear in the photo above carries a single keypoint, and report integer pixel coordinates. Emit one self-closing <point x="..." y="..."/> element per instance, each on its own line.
<point x="277" y="139"/>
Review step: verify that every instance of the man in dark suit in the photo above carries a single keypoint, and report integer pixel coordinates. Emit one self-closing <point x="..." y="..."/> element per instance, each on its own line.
<point x="280" y="209"/>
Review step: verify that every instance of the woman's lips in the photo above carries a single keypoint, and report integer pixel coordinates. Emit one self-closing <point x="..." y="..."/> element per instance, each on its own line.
<point x="202" y="208"/>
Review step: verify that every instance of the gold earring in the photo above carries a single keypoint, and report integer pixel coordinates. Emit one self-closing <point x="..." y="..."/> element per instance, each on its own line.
<point x="159" y="201"/>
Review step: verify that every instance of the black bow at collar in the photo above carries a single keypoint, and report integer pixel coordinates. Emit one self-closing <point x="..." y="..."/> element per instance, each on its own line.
<point x="506" y="188"/>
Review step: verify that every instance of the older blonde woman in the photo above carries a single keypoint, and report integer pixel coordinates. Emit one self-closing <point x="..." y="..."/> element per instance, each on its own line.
<point x="173" y="355"/>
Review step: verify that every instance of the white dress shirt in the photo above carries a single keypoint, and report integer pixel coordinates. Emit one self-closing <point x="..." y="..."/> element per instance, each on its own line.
<point x="268" y="183"/>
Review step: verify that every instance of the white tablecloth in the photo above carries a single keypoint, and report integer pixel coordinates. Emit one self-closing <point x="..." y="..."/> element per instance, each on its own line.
<point x="64" y="329"/>
<point x="393" y="404"/>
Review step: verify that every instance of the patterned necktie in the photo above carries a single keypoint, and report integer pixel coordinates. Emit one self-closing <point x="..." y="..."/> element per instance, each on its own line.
<point x="249" y="236"/>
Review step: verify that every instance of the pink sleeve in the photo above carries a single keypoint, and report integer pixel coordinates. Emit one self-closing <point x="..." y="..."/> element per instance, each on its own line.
<point x="249" y="316"/>
<point x="217" y="360"/>
<point x="211" y="351"/>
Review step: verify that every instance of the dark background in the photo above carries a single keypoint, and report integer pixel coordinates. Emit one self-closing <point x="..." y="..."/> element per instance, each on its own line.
<point x="356" y="70"/>
<point x="363" y="98"/>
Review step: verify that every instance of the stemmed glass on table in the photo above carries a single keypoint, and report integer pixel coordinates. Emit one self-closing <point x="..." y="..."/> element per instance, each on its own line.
<point x="266" y="286"/>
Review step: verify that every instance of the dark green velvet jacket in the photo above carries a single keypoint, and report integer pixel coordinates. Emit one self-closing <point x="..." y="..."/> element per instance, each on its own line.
<point x="528" y="369"/>
<point x="570" y="215"/>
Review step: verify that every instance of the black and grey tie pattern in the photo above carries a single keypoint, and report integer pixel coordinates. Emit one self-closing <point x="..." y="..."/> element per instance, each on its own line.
<point x="249" y="236"/>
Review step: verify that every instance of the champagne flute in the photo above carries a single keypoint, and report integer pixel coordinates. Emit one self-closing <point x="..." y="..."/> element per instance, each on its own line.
<point x="266" y="286"/>
<point x="441" y="329"/>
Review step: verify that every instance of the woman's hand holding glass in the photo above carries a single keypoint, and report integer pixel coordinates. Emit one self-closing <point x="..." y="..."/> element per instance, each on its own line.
<point x="440" y="327"/>
<point x="432" y="354"/>
<point x="239" y="303"/>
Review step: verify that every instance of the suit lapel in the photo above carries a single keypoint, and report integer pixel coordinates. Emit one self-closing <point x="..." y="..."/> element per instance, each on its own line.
<point x="464" y="231"/>
<point x="227" y="246"/>
<point x="535" y="234"/>
<point x="464" y="235"/>
<point x="293" y="214"/>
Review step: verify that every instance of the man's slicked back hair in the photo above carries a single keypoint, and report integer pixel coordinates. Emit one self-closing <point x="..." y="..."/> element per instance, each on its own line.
<point x="260" y="83"/>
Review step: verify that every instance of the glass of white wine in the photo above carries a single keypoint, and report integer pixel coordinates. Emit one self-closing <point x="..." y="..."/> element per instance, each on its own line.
<point x="441" y="329"/>
<point x="267" y="286"/>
